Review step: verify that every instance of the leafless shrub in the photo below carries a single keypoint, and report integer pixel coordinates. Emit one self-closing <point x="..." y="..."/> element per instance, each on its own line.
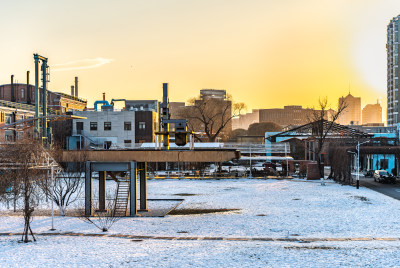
<point x="103" y="220"/>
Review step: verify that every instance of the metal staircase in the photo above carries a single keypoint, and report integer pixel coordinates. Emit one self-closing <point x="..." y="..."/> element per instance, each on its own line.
<point x="122" y="197"/>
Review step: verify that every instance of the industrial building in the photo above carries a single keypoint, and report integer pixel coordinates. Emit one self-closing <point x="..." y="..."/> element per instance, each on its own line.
<point x="106" y="127"/>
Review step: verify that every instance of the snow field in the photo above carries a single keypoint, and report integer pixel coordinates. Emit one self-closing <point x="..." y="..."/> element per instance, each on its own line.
<point x="268" y="208"/>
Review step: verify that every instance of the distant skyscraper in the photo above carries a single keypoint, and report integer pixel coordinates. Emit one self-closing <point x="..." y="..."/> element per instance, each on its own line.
<point x="392" y="48"/>
<point x="352" y="114"/>
<point x="372" y="113"/>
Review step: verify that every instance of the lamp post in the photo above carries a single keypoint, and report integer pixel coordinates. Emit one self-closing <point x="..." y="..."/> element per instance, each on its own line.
<point x="358" y="164"/>
<point x="250" y="174"/>
<point x="52" y="201"/>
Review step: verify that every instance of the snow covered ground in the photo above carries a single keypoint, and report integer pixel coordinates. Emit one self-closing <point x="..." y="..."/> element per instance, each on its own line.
<point x="268" y="209"/>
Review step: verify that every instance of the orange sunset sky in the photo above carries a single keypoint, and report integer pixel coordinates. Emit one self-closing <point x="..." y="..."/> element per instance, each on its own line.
<point x="265" y="53"/>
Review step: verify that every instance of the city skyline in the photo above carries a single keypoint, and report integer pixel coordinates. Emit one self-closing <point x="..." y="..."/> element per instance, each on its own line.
<point x="266" y="54"/>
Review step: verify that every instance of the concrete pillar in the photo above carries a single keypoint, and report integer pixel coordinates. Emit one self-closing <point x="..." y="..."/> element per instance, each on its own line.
<point x="143" y="186"/>
<point x="133" y="192"/>
<point x="305" y="150"/>
<point x="88" y="189"/>
<point x="313" y="154"/>
<point x="102" y="190"/>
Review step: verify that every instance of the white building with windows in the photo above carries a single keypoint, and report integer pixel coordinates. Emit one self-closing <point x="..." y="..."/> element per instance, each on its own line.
<point x="104" y="129"/>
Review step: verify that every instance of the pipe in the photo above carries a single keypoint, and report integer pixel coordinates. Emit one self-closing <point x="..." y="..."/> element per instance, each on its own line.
<point x="100" y="102"/>
<point x="72" y="90"/>
<point x="37" y="130"/>
<point x="104" y="96"/>
<point x="44" y="97"/>
<point x="76" y="86"/>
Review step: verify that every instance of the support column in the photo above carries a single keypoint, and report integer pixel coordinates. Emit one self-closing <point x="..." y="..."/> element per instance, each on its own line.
<point x="313" y="153"/>
<point x="133" y="190"/>
<point x="305" y="150"/>
<point x="102" y="190"/>
<point x="143" y="186"/>
<point x="88" y="189"/>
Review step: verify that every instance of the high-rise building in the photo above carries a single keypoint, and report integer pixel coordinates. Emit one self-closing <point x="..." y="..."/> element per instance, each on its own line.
<point x="392" y="48"/>
<point x="351" y="115"/>
<point x="372" y="113"/>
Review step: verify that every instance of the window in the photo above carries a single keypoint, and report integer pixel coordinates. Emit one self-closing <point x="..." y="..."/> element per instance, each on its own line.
<point x="127" y="126"/>
<point x="142" y="125"/>
<point x="22" y="93"/>
<point x="79" y="127"/>
<point x="107" y="125"/>
<point x="93" y="125"/>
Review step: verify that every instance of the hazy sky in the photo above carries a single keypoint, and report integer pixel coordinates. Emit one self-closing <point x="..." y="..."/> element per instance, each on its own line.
<point x="266" y="53"/>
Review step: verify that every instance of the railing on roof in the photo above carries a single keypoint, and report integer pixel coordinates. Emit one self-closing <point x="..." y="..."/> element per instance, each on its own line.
<point x="17" y="105"/>
<point x="71" y="97"/>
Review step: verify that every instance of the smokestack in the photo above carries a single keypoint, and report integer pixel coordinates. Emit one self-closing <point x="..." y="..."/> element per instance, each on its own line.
<point x="72" y="91"/>
<point x="104" y="96"/>
<point x="28" y="89"/>
<point x="12" y="88"/>
<point x="76" y="86"/>
<point x="165" y="93"/>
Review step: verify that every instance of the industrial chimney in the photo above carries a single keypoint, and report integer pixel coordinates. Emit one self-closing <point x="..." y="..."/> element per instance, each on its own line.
<point x="104" y="96"/>
<point x="28" y="89"/>
<point x="72" y="91"/>
<point x="12" y="88"/>
<point x="76" y="86"/>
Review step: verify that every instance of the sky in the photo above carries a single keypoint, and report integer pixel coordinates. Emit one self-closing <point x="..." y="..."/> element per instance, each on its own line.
<point x="265" y="53"/>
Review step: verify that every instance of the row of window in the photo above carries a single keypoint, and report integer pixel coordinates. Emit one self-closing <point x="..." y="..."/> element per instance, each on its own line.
<point x="107" y="126"/>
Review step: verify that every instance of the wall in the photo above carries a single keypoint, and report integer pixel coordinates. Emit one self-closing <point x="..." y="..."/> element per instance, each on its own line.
<point x="117" y="135"/>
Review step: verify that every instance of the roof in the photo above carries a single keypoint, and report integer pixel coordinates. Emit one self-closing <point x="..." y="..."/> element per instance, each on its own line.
<point x="312" y="129"/>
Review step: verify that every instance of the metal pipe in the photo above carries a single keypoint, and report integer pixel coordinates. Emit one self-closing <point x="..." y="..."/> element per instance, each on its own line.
<point x="44" y="97"/>
<point x="36" y="57"/>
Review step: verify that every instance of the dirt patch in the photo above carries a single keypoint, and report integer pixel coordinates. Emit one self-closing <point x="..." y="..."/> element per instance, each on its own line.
<point x="230" y="188"/>
<point x="185" y="194"/>
<point x="361" y="198"/>
<point x="313" y="247"/>
<point x="192" y="211"/>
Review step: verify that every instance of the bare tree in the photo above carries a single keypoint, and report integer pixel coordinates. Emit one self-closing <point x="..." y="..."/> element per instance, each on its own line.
<point x="324" y="120"/>
<point x="66" y="187"/>
<point x="210" y="115"/>
<point x="25" y="158"/>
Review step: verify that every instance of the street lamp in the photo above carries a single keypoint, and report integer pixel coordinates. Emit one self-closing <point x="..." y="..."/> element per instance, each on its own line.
<point x="358" y="164"/>
<point x="250" y="174"/>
